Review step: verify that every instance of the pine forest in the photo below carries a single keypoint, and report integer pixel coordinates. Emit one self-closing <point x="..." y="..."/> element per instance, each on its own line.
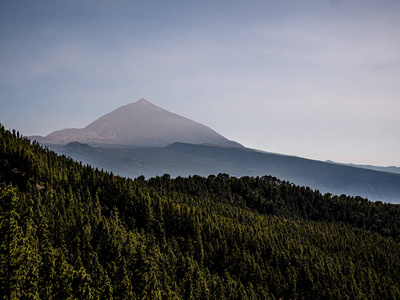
<point x="70" y="231"/>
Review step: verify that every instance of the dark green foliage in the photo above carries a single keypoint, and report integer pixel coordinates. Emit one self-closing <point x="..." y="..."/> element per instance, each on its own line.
<point x="270" y="196"/>
<point x="71" y="232"/>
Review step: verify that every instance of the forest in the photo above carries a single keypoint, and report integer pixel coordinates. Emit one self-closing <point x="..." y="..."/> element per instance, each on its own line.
<point x="70" y="231"/>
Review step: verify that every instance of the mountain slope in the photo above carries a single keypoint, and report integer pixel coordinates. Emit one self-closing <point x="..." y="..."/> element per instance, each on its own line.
<point x="391" y="169"/>
<point x="140" y="124"/>
<point x="180" y="159"/>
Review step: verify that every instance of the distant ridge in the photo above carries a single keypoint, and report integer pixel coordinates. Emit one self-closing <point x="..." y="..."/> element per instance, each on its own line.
<point x="139" y="124"/>
<point x="180" y="159"/>
<point x="143" y="139"/>
<point x="391" y="169"/>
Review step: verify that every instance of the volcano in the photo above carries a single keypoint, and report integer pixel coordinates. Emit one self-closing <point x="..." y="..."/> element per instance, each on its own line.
<point x="140" y="124"/>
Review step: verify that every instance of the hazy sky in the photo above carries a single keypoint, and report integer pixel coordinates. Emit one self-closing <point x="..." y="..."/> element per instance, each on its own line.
<point x="316" y="79"/>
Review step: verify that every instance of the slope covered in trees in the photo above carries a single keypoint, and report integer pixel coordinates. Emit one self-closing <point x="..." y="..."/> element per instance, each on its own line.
<point x="69" y="231"/>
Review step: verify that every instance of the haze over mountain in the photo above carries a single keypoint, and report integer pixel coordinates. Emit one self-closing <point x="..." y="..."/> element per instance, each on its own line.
<point x="140" y="124"/>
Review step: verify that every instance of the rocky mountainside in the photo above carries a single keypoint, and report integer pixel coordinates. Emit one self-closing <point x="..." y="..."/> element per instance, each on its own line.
<point x="140" y="124"/>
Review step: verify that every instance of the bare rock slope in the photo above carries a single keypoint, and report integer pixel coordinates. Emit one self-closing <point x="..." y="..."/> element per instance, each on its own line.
<point x="140" y="124"/>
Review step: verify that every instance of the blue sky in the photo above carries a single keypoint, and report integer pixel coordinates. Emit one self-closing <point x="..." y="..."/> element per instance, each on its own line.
<point x="316" y="79"/>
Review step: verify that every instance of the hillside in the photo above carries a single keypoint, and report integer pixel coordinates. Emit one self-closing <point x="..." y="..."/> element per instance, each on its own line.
<point x="70" y="231"/>
<point x="180" y="159"/>
<point x="140" y="124"/>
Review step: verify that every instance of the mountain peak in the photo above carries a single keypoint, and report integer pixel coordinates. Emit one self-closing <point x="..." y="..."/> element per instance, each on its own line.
<point x="143" y="101"/>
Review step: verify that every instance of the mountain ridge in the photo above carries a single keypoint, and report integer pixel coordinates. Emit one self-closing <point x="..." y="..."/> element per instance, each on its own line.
<point x="180" y="159"/>
<point x="390" y="169"/>
<point x="141" y="138"/>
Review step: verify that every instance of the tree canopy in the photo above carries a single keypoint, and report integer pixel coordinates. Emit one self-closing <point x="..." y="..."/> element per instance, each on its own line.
<point x="69" y="231"/>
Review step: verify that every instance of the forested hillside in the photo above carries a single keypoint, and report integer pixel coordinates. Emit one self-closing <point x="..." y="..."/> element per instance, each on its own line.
<point x="69" y="231"/>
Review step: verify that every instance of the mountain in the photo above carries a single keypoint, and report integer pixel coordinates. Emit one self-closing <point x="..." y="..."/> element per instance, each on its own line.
<point x="181" y="159"/>
<point x="140" y="124"/>
<point x="391" y="169"/>
<point x="143" y="139"/>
